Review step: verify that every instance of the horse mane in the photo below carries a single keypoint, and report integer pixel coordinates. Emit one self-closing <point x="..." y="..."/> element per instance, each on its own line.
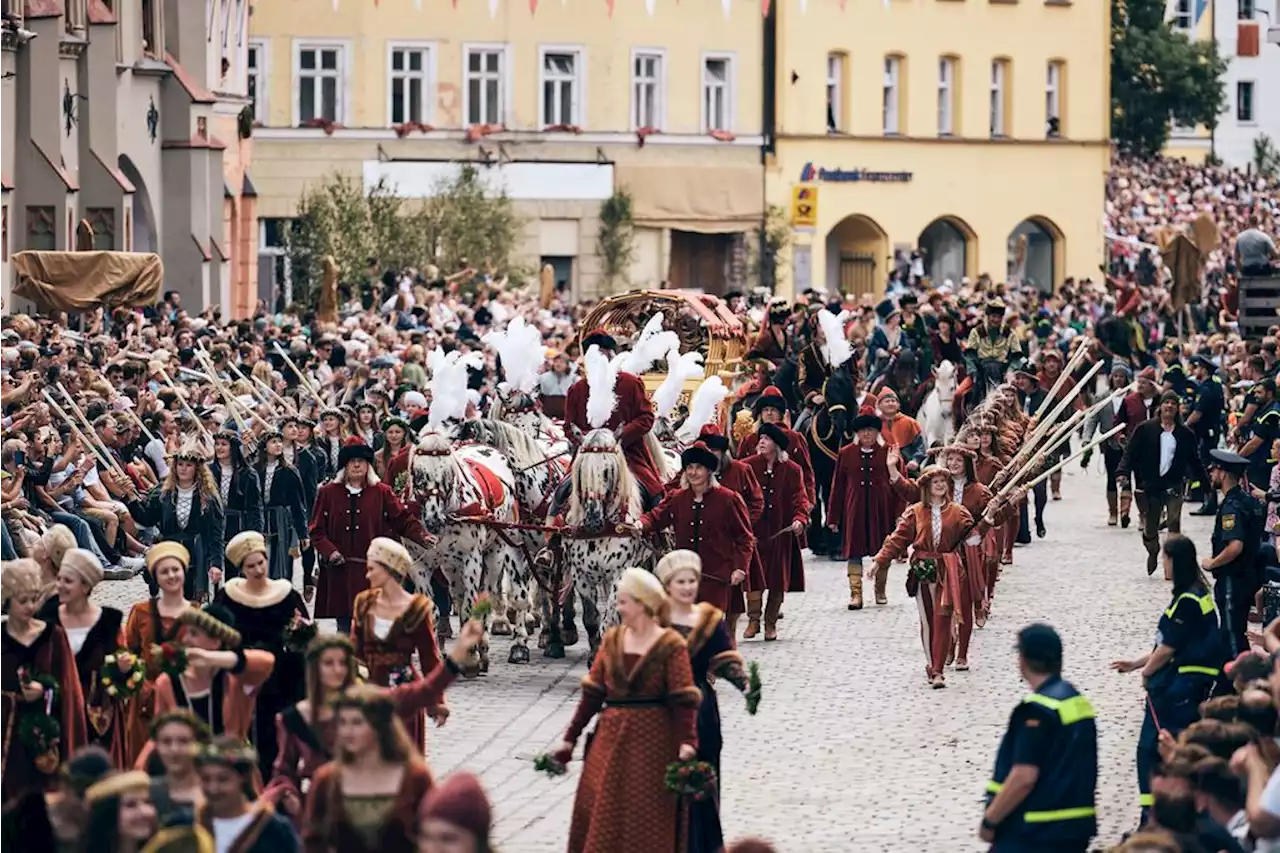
<point x="510" y="397"/>
<point x="433" y="464"/>
<point x="601" y="469"/>
<point x="514" y="444"/>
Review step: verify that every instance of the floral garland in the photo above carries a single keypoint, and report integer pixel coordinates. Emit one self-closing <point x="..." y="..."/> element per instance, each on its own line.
<point x="170" y="658"/>
<point x="693" y="779"/>
<point x="549" y="764"/>
<point x="925" y="570"/>
<point x="118" y="684"/>
<point x="481" y="607"/>
<point x="754" y="686"/>
<point x="299" y="633"/>
<point x="40" y="731"/>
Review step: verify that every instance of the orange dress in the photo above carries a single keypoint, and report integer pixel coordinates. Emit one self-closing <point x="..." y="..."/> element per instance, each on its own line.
<point x="144" y="628"/>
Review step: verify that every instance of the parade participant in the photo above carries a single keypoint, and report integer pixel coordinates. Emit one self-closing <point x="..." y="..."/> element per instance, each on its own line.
<point x="935" y="529"/>
<point x="456" y="817"/>
<point x="711" y="654"/>
<point x="229" y="813"/>
<point x="175" y="790"/>
<point x="1140" y="404"/>
<point x="186" y="509"/>
<point x="1119" y="490"/>
<point x="641" y="684"/>
<point x="305" y="456"/>
<point x="1051" y="365"/>
<point x="1030" y="398"/>
<point x="1041" y="796"/>
<point x="712" y="521"/>
<point x="238" y="487"/>
<point x="121" y="816"/>
<point x="1159" y="454"/>
<point x="1182" y="669"/>
<point x="55" y="821"/>
<point x="991" y="349"/>
<point x="93" y="632"/>
<point x="901" y="431"/>
<point x="367" y="799"/>
<point x="284" y="514"/>
<point x="48" y="550"/>
<point x="1207" y="420"/>
<point x="988" y="461"/>
<point x="39" y="681"/>
<point x="772" y="343"/>
<point x="771" y="408"/>
<point x="350" y="512"/>
<point x="221" y="682"/>
<point x="330" y="442"/>
<point x="631" y="420"/>
<point x="779" y="530"/>
<point x="1237" y="532"/>
<point x="264" y="611"/>
<point x="153" y="623"/>
<point x="863" y="503"/>
<point x="395" y="433"/>
<point x="364" y="425"/>
<point x="391" y="624"/>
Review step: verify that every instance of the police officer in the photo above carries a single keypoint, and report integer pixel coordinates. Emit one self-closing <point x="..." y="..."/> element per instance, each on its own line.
<point x="1237" y="533"/>
<point x="1186" y="663"/>
<point x="1263" y="431"/>
<point x="1041" y="796"/>
<point x="1205" y="421"/>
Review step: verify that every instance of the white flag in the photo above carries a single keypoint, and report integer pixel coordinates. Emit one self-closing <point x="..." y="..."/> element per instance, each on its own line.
<point x="649" y="6"/>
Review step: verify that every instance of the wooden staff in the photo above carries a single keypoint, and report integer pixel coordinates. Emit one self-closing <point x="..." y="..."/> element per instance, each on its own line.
<point x="1090" y="446"/>
<point x="1049" y="446"/>
<point x="284" y="404"/>
<point x="1071" y="365"/>
<point x="1043" y="427"/>
<point x="84" y="419"/>
<point x="302" y="377"/>
<point x="186" y="407"/>
<point x="231" y="366"/>
<point x="139" y="424"/>
<point x="222" y="389"/>
<point x="105" y="460"/>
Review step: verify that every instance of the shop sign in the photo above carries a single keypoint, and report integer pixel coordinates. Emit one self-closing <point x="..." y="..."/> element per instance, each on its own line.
<point x="811" y="173"/>
<point x="804" y="206"/>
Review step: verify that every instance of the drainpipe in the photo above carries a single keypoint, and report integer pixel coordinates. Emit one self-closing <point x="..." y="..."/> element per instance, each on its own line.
<point x="1213" y="34"/>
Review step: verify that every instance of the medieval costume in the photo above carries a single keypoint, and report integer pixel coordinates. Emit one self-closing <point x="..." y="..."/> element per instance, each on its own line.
<point x="239" y="489"/>
<point x="284" y="513"/>
<point x="308" y="459"/>
<point x="329" y="442"/>
<point x="772" y="399"/>
<point x="778" y="547"/>
<point x="863" y="506"/>
<point x="257" y="829"/>
<point x="1119" y="491"/>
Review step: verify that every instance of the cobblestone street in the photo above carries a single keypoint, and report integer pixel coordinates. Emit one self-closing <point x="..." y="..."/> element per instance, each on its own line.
<point x="851" y="750"/>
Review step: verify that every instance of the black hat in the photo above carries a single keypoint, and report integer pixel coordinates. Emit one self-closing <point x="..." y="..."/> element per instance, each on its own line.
<point x="1039" y="644"/>
<point x="776" y="434"/>
<point x="1200" y="360"/>
<point x="1232" y="463"/>
<point x="714" y="438"/>
<point x="907" y="300"/>
<point x="699" y="454"/>
<point x="600" y="338"/>
<point x="354" y="449"/>
<point x="995" y="306"/>
<point x="867" y="419"/>
<point x="770" y="398"/>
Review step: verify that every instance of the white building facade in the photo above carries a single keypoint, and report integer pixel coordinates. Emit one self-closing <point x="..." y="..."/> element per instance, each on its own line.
<point x="1247" y="32"/>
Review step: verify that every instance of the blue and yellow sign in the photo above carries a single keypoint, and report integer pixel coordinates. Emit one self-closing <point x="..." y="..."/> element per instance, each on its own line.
<point x="804" y="206"/>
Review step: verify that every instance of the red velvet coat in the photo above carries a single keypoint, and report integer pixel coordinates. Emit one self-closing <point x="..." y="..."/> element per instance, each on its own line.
<point x="737" y="477"/>
<point x="347" y="523"/>
<point x="718" y="528"/>
<point x="1134" y="410"/>
<point x="784" y="502"/>
<point x="633" y="413"/>
<point x="797" y="449"/>
<point x="863" y="502"/>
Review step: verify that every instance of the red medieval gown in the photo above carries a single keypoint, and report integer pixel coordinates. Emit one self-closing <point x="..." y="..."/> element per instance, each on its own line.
<point x="633" y="415"/>
<point x="106" y="717"/>
<point x="144" y="628"/>
<point x="717" y="528"/>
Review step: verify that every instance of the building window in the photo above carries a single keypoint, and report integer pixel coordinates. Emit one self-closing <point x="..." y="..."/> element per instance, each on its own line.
<point x="256" y="79"/>
<point x="999" y="118"/>
<point x="717" y="93"/>
<point x="946" y="96"/>
<point x="647" y="76"/>
<point x="1053" y="99"/>
<point x="1182" y="15"/>
<point x="103" y="222"/>
<point x="73" y="16"/>
<point x="42" y="229"/>
<point x="1245" y="9"/>
<point x="151" y="29"/>
<point x="226" y="26"/>
<point x="411" y="71"/>
<point x="486" y="76"/>
<point x="242" y="22"/>
<point x="835" y="92"/>
<point x="892" y="69"/>
<point x="562" y="87"/>
<point x="319" y="72"/>
<point x="1244" y="102"/>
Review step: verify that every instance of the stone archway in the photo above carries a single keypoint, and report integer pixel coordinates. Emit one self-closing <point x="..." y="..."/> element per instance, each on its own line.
<point x="1035" y="255"/>
<point x="949" y="247"/>
<point x="145" y="237"/>
<point x="857" y="252"/>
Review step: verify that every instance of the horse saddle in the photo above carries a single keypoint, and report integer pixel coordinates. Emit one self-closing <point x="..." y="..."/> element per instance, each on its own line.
<point x="492" y="491"/>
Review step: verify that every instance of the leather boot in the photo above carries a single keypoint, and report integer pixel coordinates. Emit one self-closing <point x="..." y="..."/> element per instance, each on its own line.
<point x="755" y="601"/>
<point x="882" y="582"/>
<point x="771" y="615"/>
<point x="1055" y="485"/>
<point x="1126" y="501"/>
<point x="855" y="586"/>
<point x="1112" y="511"/>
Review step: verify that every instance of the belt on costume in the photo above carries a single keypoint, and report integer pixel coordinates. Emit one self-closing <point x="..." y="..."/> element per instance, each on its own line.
<point x="638" y="702"/>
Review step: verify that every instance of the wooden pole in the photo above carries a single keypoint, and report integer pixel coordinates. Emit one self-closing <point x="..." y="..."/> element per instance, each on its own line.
<point x="1071" y="365"/>
<point x="1090" y="446"/>
<point x="302" y="377"/>
<point x="105" y="460"/>
<point x="186" y="407"/>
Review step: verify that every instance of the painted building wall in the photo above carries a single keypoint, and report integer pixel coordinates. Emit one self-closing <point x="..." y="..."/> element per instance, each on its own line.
<point x="1252" y="81"/>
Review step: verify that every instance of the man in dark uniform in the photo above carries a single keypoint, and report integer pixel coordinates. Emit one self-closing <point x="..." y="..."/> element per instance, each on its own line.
<point x="1041" y="796"/>
<point x="1237" y="532"/>
<point x="1262" y="433"/>
<point x="1205" y="420"/>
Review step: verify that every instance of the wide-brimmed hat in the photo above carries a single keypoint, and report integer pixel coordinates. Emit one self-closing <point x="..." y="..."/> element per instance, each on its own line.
<point x="699" y="454"/>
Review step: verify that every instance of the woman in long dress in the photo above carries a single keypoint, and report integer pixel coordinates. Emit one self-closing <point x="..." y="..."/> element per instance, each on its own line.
<point x="641" y="684"/>
<point x="263" y="609"/>
<point x="390" y="624"/>
<point x="284" y="514"/>
<point x="395" y="433"/>
<point x="238" y="487"/>
<point x="175" y="784"/>
<point x="54" y="821"/>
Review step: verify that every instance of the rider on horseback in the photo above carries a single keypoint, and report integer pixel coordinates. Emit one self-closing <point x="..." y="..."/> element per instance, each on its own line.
<point x="991" y="350"/>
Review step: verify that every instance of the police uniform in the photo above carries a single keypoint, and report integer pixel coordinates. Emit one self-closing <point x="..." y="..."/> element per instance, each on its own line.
<point x="1052" y="729"/>
<point x="1189" y="625"/>
<point x="1210" y="402"/>
<point x="1240" y="519"/>
<point x="1266" y="428"/>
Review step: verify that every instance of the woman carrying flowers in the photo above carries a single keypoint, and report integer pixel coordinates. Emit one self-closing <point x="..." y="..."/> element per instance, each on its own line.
<point x="41" y="705"/>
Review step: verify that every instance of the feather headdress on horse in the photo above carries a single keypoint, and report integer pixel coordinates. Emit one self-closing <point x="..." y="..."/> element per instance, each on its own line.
<point x="449" y="385"/>
<point x="680" y="368"/>
<point x="650" y="347"/>
<point x="702" y="408"/>
<point x="835" y="346"/>
<point x="602" y="377"/>
<point x="522" y="352"/>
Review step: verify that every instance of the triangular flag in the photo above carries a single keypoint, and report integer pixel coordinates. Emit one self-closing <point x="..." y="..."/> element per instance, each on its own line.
<point x="764" y="7"/>
<point x="609" y="3"/>
<point x="533" y="6"/>
<point x="493" y="8"/>
<point x="649" y="6"/>
<point x="727" y="5"/>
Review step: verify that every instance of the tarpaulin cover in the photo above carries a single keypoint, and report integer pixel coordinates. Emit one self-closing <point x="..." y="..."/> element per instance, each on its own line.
<point x="80" y="281"/>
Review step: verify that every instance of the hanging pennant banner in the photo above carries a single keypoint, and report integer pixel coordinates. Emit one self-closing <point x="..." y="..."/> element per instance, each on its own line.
<point x="764" y="8"/>
<point x="727" y="5"/>
<point x="493" y="8"/>
<point x="649" y="6"/>
<point x="609" y="3"/>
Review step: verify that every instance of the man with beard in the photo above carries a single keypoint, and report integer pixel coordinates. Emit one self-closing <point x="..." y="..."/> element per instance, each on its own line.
<point x="1236" y="534"/>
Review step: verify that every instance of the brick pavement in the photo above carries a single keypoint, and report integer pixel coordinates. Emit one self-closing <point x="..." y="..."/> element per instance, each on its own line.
<point x="851" y="750"/>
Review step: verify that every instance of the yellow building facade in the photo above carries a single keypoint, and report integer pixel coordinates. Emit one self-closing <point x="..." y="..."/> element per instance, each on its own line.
<point x="560" y="102"/>
<point x="974" y="130"/>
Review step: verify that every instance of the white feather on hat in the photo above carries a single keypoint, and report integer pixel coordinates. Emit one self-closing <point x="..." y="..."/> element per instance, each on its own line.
<point x="602" y="377"/>
<point x="680" y="368"/>
<point x="522" y="352"/>
<point x="835" y="347"/>
<point x="449" y="385"/>
<point x="650" y="347"/>
<point x="702" y="408"/>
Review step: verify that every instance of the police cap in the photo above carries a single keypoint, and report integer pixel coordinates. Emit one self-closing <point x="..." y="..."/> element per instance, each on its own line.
<point x="1232" y="463"/>
<point x="1204" y="361"/>
<point x="1041" y="646"/>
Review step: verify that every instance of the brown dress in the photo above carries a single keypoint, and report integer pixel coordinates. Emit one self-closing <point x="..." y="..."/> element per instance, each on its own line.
<point x="144" y="628"/>
<point x="390" y="659"/>
<point x="650" y="706"/>
<point x="338" y="823"/>
<point x="104" y="715"/>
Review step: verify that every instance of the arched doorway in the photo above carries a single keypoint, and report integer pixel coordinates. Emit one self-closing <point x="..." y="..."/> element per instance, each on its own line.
<point x="144" y="227"/>
<point x="1035" y="248"/>
<point x="945" y="243"/>
<point x="857" y="252"/>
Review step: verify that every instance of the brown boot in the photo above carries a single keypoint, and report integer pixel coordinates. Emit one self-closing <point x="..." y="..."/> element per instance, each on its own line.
<point x="882" y="582"/>
<point x="1112" y="513"/>
<point x="855" y="586"/>
<point x="755" y="601"/>
<point x="771" y="615"/>
<point x="1126" y="502"/>
<point x="1055" y="485"/>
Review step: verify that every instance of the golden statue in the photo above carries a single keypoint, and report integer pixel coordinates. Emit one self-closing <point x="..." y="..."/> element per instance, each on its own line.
<point x="327" y="312"/>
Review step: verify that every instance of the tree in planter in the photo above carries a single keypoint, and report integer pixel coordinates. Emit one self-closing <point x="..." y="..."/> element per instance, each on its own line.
<point x="616" y="240"/>
<point x="464" y="224"/>
<point x="1158" y="75"/>
<point x="770" y="244"/>
<point x="333" y="218"/>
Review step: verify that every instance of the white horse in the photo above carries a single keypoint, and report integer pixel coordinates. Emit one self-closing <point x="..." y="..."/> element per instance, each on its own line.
<point x="521" y="411"/>
<point x="936" y="416"/>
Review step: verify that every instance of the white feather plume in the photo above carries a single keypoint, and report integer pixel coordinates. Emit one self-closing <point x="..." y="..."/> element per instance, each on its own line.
<point x="650" y="347"/>
<point x="522" y="352"/>
<point x="602" y="376"/>
<point x="835" y="347"/>
<point x="702" y="408"/>
<point x="449" y="385"/>
<point x="680" y="368"/>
